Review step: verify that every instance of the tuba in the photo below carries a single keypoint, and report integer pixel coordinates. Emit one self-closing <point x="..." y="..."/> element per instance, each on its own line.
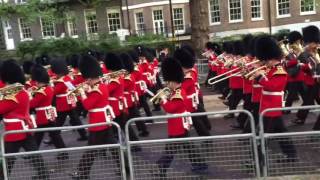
<point x="163" y="92"/>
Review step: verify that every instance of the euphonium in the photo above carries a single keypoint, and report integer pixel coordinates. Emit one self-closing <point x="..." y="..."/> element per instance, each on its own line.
<point x="11" y="89"/>
<point x="283" y="46"/>
<point x="163" y="92"/>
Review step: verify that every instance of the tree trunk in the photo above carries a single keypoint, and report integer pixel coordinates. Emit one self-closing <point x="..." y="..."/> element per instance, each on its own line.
<point x="199" y="24"/>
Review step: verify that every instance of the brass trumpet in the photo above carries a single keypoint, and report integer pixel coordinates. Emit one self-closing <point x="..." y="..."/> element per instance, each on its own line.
<point x="115" y="74"/>
<point x="11" y="89"/>
<point x="250" y="74"/>
<point x="163" y="92"/>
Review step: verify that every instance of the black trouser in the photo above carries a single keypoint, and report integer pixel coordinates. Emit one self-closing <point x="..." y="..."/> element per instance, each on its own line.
<point x="134" y="113"/>
<point x="36" y="160"/>
<point x="173" y="148"/>
<point x="311" y="93"/>
<point x="144" y="104"/>
<point x="200" y="109"/>
<point x="122" y="120"/>
<point x="294" y="89"/>
<point x="211" y="74"/>
<point x="276" y="125"/>
<point x="247" y="105"/>
<point x="199" y="126"/>
<point x="255" y="113"/>
<point x="80" y="110"/>
<point x="235" y="98"/>
<point x="74" y="121"/>
<point x="55" y="136"/>
<point x="223" y="87"/>
<point x="98" y="138"/>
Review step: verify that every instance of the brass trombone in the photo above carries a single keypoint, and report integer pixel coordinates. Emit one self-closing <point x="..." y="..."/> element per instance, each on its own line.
<point x="251" y="73"/>
<point x="213" y="80"/>
<point x="163" y="92"/>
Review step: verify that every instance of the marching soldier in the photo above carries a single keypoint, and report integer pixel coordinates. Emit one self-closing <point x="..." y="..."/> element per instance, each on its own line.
<point x="131" y="94"/>
<point x="311" y="39"/>
<point x="65" y="101"/>
<point x="27" y="65"/>
<point x="212" y="58"/>
<point x="189" y="85"/>
<point x="95" y="99"/>
<point x="14" y="107"/>
<point x="295" y="83"/>
<point x="273" y="84"/>
<point x="45" y="113"/>
<point x="116" y="92"/>
<point x="177" y="127"/>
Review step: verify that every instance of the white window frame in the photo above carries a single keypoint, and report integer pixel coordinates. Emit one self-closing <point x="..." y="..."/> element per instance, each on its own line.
<point x="308" y="12"/>
<point x="111" y="11"/>
<point x="153" y="21"/>
<point x="21" y="33"/>
<point x="210" y="17"/>
<point x="283" y="15"/>
<point x="86" y="11"/>
<point x="23" y="1"/>
<point x="238" y="20"/>
<point x="139" y="31"/>
<point x="261" y="12"/>
<point x="182" y="31"/>
<point x="54" y="30"/>
<point x="69" y="24"/>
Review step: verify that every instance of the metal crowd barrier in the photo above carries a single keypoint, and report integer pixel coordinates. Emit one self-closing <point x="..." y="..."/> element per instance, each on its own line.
<point x="108" y="162"/>
<point x="226" y="156"/>
<point x="203" y="69"/>
<point x="303" y="143"/>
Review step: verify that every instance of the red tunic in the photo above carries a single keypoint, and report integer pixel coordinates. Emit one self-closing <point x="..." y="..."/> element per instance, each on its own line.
<point x="15" y="111"/>
<point x="175" y="105"/>
<point x="96" y="103"/>
<point x="146" y="73"/>
<point x="129" y="90"/>
<point x="104" y="68"/>
<point x="41" y="102"/>
<point x="189" y="86"/>
<point x="2" y="84"/>
<point x="64" y="100"/>
<point x="116" y="92"/>
<point x="30" y="84"/>
<point x="273" y="83"/>
<point x="300" y="76"/>
<point x="236" y="82"/>
<point x="77" y="77"/>
<point x="140" y="83"/>
<point x="212" y="63"/>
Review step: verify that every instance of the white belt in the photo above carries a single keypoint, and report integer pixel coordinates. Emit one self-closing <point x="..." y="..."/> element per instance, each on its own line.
<point x="113" y="99"/>
<point x="126" y="93"/>
<point x="43" y="108"/>
<point x="24" y="126"/>
<point x="281" y="93"/>
<point x="62" y="95"/>
<point x="104" y="110"/>
<point x="256" y="86"/>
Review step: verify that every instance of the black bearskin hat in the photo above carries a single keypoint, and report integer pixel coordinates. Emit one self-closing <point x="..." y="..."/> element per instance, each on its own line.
<point x="73" y="60"/>
<point x="40" y="74"/>
<point x="246" y="41"/>
<point x="172" y="70"/>
<point x="127" y="62"/>
<point x="89" y="67"/>
<point x="252" y="46"/>
<point x="43" y="60"/>
<point x="228" y="47"/>
<point x="189" y="49"/>
<point x="59" y="66"/>
<point x="267" y="48"/>
<point x="238" y="48"/>
<point x="311" y="34"/>
<point x="113" y="62"/>
<point x="147" y="55"/>
<point x="294" y="36"/>
<point x="134" y="55"/>
<point x="27" y="65"/>
<point x="139" y="49"/>
<point x="185" y="58"/>
<point x="11" y="72"/>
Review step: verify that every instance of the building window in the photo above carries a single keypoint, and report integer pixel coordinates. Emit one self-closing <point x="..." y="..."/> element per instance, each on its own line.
<point x="178" y="21"/>
<point x="21" y="1"/>
<point x="8" y="28"/>
<point x="47" y="28"/>
<point x="25" y="30"/>
<point x="235" y="10"/>
<point x="214" y="11"/>
<point x="91" y="22"/>
<point x="307" y="7"/>
<point x="114" y="20"/>
<point x="283" y="8"/>
<point x="140" y="27"/>
<point x="256" y="9"/>
<point x="158" y="22"/>
<point x="72" y="27"/>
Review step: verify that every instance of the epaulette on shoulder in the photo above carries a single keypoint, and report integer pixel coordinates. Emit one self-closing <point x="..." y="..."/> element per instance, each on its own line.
<point x="279" y="71"/>
<point x="41" y="91"/>
<point x="11" y="98"/>
<point x="59" y="80"/>
<point x="188" y="76"/>
<point x="96" y="89"/>
<point x="127" y="77"/>
<point x="116" y="80"/>
<point x="177" y="95"/>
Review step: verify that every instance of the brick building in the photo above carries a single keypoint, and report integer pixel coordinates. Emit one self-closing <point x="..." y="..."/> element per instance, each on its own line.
<point x="138" y="17"/>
